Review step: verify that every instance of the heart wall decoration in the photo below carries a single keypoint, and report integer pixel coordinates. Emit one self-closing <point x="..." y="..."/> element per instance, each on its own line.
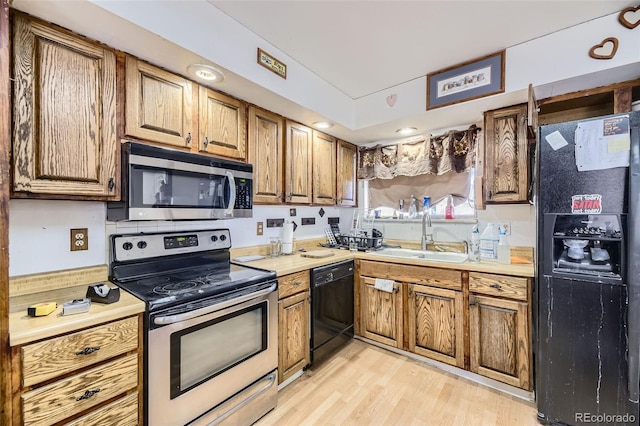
<point x="630" y="17"/>
<point x="605" y="50"/>
<point x="391" y="100"/>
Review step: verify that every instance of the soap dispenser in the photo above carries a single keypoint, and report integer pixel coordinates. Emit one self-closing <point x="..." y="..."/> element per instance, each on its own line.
<point x="413" y="209"/>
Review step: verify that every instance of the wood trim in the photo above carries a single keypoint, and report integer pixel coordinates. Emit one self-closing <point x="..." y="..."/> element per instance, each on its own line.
<point x="5" y="152"/>
<point x="622" y="99"/>
<point x="589" y="92"/>
<point x="34" y="283"/>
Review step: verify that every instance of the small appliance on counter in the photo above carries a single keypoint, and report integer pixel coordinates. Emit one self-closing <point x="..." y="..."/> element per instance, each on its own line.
<point x="287" y="238"/>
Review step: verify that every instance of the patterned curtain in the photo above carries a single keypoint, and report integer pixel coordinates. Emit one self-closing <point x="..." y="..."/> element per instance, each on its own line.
<point x="436" y="155"/>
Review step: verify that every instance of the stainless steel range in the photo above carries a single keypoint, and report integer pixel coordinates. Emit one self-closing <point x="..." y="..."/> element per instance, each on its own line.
<point x="210" y="327"/>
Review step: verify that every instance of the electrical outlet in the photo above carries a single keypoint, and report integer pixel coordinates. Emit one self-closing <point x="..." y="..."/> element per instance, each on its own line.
<point x="79" y="239"/>
<point x="506" y="226"/>
<point x="260" y="228"/>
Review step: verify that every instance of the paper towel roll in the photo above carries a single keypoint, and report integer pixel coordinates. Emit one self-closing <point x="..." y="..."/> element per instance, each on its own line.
<point x="287" y="238"/>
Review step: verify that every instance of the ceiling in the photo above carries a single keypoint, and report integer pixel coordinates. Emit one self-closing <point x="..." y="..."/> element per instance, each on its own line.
<point x="355" y="51"/>
<point x="363" y="47"/>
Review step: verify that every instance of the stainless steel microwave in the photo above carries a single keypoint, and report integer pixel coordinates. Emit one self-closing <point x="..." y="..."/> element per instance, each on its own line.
<point x="167" y="184"/>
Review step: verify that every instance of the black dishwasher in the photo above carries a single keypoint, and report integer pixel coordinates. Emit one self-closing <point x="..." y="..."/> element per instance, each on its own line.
<point x="331" y="308"/>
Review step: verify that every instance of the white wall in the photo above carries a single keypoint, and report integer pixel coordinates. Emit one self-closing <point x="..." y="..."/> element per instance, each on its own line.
<point x="39" y="231"/>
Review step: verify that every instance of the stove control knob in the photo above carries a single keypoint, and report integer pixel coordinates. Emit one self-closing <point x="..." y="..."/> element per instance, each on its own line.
<point x="142" y="244"/>
<point x="127" y="246"/>
<point x="223" y="237"/>
<point x="214" y="238"/>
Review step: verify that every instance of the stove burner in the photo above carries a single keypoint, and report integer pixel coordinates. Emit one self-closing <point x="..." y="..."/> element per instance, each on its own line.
<point x="179" y="287"/>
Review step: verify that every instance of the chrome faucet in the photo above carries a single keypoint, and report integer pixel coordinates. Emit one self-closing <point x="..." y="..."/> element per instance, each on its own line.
<point x="426" y="222"/>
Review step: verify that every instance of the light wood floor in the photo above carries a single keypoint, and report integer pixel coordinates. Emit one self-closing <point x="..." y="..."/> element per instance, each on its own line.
<point x="366" y="385"/>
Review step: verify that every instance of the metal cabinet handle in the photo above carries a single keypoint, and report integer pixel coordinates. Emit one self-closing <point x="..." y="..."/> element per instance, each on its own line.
<point x="88" y="394"/>
<point x="396" y="289"/>
<point x="88" y="350"/>
<point x="188" y="139"/>
<point x="290" y="196"/>
<point x="297" y="283"/>
<point x="111" y="184"/>
<point x="206" y="141"/>
<point x="473" y="301"/>
<point x="410" y="291"/>
<point x="496" y="286"/>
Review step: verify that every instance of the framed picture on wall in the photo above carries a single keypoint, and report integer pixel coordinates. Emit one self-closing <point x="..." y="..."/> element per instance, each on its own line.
<point x="469" y="80"/>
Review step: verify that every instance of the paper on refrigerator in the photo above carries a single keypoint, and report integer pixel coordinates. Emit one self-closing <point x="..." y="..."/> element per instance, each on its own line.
<point x="602" y="144"/>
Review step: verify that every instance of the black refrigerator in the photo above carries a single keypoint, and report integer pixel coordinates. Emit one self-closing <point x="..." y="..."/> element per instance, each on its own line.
<point x="587" y="292"/>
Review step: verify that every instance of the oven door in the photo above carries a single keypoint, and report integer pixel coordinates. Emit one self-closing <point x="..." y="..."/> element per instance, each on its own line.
<point x="166" y="189"/>
<point x="199" y="358"/>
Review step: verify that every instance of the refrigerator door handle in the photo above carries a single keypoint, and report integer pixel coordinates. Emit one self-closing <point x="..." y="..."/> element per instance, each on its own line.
<point x="633" y="269"/>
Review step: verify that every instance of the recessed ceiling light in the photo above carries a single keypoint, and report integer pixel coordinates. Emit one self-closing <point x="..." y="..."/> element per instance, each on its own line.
<point x="322" y="125"/>
<point x="206" y="72"/>
<point x="406" y="130"/>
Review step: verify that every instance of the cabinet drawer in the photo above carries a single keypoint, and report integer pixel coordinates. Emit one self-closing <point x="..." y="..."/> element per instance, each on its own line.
<point x="293" y="283"/>
<point x="55" y="357"/>
<point x="424" y="275"/>
<point x="498" y="285"/>
<point x="121" y="412"/>
<point x="59" y="400"/>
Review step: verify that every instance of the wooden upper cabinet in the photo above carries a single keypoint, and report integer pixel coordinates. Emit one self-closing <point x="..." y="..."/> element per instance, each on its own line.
<point x="159" y="105"/>
<point x="346" y="177"/>
<point x="222" y="124"/>
<point x="266" y="154"/>
<point x="64" y="119"/>
<point x="506" y="167"/>
<point x="297" y="171"/>
<point x="324" y="168"/>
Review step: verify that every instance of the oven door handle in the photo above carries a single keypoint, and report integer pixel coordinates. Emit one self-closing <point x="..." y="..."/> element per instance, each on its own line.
<point x="171" y="319"/>
<point x="232" y="194"/>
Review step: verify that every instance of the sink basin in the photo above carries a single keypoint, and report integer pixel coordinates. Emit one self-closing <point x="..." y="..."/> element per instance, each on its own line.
<point x="434" y="256"/>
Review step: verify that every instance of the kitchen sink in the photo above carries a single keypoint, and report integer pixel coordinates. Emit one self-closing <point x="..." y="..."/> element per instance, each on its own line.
<point x="433" y="256"/>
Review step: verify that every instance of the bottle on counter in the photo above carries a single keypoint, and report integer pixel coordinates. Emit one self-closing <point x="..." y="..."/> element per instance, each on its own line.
<point x="489" y="243"/>
<point x="413" y="208"/>
<point x="474" y="247"/>
<point x="448" y="210"/>
<point x="504" y="250"/>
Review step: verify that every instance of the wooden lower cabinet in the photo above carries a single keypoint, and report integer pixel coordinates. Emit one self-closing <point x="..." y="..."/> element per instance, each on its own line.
<point x="475" y="321"/>
<point x="92" y="376"/>
<point x="294" y="341"/>
<point x="435" y="324"/>
<point x="381" y="313"/>
<point x="500" y="344"/>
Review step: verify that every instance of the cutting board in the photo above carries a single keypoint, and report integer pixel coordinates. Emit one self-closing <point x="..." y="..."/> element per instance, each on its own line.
<point x="317" y="254"/>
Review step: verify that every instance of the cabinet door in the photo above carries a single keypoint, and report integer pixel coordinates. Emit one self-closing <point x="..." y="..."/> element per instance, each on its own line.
<point x="324" y="169"/>
<point x="223" y="123"/>
<point x="64" y="114"/>
<point x="346" y="187"/>
<point x="435" y="324"/>
<point x="293" y="335"/>
<point x="159" y="105"/>
<point x="500" y="340"/>
<point x="381" y="313"/>
<point x="266" y="154"/>
<point x="506" y="155"/>
<point x="297" y="171"/>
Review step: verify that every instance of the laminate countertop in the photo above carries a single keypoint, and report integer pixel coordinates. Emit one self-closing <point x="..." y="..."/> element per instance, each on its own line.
<point x="289" y="264"/>
<point x="25" y="329"/>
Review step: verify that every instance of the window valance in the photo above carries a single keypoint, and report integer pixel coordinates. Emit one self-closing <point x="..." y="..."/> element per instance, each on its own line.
<point x="452" y="151"/>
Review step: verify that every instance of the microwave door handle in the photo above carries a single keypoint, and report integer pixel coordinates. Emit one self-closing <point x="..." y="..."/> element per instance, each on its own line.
<point x="232" y="194"/>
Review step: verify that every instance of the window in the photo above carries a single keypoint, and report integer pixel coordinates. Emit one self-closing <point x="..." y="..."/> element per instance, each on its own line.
<point x="382" y="196"/>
